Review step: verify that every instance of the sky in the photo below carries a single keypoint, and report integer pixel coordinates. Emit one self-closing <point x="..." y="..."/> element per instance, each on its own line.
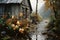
<point x="41" y="8"/>
<point x="33" y="3"/>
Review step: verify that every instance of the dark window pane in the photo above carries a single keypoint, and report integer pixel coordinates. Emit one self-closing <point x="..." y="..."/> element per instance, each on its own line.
<point x="1" y="10"/>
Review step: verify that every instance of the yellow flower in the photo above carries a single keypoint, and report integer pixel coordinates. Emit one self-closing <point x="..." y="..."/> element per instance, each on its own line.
<point x="18" y="22"/>
<point x="21" y="14"/>
<point x="13" y="16"/>
<point x="16" y="26"/>
<point x="12" y="25"/>
<point x="21" y="30"/>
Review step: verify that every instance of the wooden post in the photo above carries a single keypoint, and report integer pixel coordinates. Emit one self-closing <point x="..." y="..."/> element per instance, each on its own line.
<point x="36" y="14"/>
<point x="36" y="6"/>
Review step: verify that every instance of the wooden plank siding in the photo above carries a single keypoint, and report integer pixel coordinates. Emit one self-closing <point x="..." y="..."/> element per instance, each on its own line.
<point x="13" y="9"/>
<point x="10" y="9"/>
<point x="16" y="8"/>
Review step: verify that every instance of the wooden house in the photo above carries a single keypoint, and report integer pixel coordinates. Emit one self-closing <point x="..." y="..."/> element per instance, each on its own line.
<point x="13" y="7"/>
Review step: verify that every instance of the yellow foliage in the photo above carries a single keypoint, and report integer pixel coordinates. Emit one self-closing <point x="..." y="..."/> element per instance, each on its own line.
<point x="47" y="4"/>
<point x="38" y="18"/>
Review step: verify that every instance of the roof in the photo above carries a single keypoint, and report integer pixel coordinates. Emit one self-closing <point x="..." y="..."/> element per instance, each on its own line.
<point x="14" y="1"/>
<point x="10" y="1"/>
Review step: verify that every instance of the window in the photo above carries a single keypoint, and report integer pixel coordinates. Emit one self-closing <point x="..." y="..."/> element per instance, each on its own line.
<point x="1" y="10"/>
<point x="9" y="9"/>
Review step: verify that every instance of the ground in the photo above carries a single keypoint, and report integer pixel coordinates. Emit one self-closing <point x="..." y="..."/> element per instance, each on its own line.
<point x="40" y="29"/>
